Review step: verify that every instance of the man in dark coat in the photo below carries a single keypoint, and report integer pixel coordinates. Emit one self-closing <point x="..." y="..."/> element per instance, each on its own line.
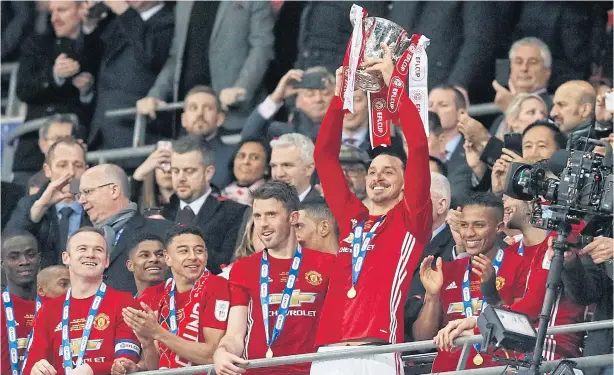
<point x="54" y="77"/>
<point x="135" y="42"/>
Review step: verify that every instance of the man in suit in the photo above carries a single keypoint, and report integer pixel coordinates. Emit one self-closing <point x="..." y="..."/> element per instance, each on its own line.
<point x="54" y="77"/>
<point x="202" y="116"/>
<point x="292" y="162"/>
<point x="226" y="45"/>
<point x="103" y="193"/>
<point x="440" y="246"/>
<point x="574" y="107"/>
<point x="133" y="44"/>
<point x="53" y="215"/>
<point x="220" y="219"/>
<point x="449" y="103"/>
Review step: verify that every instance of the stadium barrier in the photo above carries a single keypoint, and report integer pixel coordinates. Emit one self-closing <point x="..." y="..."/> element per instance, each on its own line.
<point x="465" y="342"/>
<point x="11" y="103"/>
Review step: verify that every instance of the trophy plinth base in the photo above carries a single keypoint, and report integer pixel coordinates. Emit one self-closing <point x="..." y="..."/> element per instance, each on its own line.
<point x="368" y="81"/>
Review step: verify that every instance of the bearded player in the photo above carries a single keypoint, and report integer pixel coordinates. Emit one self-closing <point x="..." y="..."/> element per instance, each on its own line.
<point x="20" y="263"/>
<point x="284" y="271"/>
<point x="83" y="332"/>
<point x="396" y="223"/>
<point x="454" y="290"/>
<point x="191" y="306"/>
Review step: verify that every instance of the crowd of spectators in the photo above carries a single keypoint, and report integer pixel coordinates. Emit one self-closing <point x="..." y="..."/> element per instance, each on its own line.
<point x="266" y="72"/>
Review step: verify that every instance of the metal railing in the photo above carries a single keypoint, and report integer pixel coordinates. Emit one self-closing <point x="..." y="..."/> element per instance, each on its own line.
<point x="13" y="106"/>
<point x="465" y="342"/>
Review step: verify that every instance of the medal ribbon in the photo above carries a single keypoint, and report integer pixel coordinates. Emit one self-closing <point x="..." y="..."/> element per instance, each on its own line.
<point x="66" y="347"/>
<point x="172" y="308"/>
<point x="360" y="245"/>
<point x="11" y="328"/>
<point x="285" y="297"/>
<point x="29" y="340"/>
<point x="467" y="304"/>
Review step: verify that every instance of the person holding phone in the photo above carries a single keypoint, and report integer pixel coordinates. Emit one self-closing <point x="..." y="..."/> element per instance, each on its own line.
<point x="52" y="214"/>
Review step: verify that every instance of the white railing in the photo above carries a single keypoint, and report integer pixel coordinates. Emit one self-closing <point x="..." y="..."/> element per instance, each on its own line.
<point x="13" y="107"/>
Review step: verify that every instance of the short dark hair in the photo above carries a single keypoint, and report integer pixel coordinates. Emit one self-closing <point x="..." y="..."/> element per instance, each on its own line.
<point x="485" y="199"/>
<point x="390" y="151"/>
<point x="139" y="237"/>
<point x="206" y="90"/>
<point x="69" y="141"/>
<point x="191" y="143"/>
<point x="9" y="234"/>
<point x="265" y="146"/>
<point x="88" y="230"/>
<point x="279" y="190"/>
<point x="459" y="98"/>
<point x="443" y="168"/>
<point x="435" y="123"/>
<point x="180" y="229"/>
<point x="320" y="211"/>
<point x="70" y="118"/>
<point x="560" y="139"/>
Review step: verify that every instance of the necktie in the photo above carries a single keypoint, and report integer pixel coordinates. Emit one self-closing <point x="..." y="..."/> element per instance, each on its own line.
<point x="64" y="228"/>
<point x="185" y="216"/>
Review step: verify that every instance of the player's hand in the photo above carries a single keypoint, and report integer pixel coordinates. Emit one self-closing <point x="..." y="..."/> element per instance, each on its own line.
<point x="285" y="87"/>
<point x="230" y="96"/>
<point x="482" y="266"/>
<point x="43" y="367"/>
<point x="65" y="67"/>
<point x="432" y="279"/>
<point x="144" y="322"/>
<point x="455" y="329"/>
<point x="225" y="362"/>
<point x="568" y="256"/>
<point x="148" y="105"/>
<point x="601" y="249"/>
<point x="503" y="96"/>
<point x="122" y="366"/>
<point x="338" y="80"/>
<point x="84" y="369"/>
<point x="384" y="66"/>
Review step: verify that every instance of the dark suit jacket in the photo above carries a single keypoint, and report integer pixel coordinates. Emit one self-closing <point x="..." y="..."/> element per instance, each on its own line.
<point x="459" y="174"/>
<point x="46" y="231"/>
<point x="11" y="193"/>
<point x="220" y="220"/>
<point x="313" y="197"/>
<point x="117" y="275"/>
<point x="37" y="88"/>
<point x="439" y="247"/>
<point x="223" y="154"/>
<point x="133" y="53"/>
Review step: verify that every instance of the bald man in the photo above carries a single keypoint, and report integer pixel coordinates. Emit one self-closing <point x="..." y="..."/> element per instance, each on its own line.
<point x="574" y="106"/>
<point x="52" y="281"/>
<point x="104" y="193"/>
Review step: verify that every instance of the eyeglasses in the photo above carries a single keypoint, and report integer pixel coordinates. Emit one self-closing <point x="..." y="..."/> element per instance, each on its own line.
<point x="87" y="192"/>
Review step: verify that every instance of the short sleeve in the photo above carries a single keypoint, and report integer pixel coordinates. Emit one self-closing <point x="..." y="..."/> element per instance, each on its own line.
<point x="239" y="295"/>
<point x="216" y="304"/>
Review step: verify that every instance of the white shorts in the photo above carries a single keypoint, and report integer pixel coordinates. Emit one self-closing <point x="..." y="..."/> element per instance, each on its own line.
<point x="379" y="364"/>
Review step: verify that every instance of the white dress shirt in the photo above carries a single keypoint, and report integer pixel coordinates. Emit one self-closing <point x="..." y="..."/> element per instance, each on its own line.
<point x="197" y="204"/>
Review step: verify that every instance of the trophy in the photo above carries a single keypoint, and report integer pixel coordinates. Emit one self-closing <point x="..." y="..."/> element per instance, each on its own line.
<point x="409" y="75"/>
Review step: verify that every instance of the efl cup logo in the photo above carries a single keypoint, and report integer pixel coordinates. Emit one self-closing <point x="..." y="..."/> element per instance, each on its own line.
<point x="416" y="71"/>
<point x="296" y="263"/>
<point x="263" y="290"/>
<point x="280" y="322"/>
<point x="265" y="270"/>
<point x="379" y="126"/>
<point x="394" y="94"/>
<point x="291" y="281"/>
<point x="285" y="301"/>
<point x="6" y="297"/>
<point x="416" y="96"/>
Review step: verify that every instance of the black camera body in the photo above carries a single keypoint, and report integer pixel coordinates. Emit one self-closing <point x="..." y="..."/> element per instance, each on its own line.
<point x="582" y="191"/>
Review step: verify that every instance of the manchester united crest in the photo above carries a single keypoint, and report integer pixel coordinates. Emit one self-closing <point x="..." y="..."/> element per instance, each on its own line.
<point x="314" y="278"/>
<point x="101" y="322"/>
<point x="500" y="282"/>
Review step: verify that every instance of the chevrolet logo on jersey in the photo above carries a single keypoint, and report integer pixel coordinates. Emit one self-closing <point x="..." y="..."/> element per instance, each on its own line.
<point x="297" y="299"/>
<point x="22" y="343"/>
<point x="457" y="307"/>
<point x="75" y="345"/>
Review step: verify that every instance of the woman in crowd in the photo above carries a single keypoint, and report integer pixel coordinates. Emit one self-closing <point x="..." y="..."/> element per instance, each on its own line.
<point x="249" y="169"/>
<point x="151" y="182"/>
<point x="524" y="110"/>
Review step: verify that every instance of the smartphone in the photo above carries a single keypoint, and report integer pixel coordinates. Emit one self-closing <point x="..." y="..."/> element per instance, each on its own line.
<point x="311" y="81"/>
<point x="67" y="47"/>
<point x="165" y="145"/>
<point x="609" y="101"/>
<point x="513" y="142"/>
<point x="74" y="186"/>
<point x="502" y="71"/>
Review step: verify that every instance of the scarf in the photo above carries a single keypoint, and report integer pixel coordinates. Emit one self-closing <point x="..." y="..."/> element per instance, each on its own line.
<point x="115" y="224"/>
<point x="241" y="194"/>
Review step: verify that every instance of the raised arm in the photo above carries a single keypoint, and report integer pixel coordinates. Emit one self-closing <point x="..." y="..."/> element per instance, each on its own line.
<point x="417" y="194"/>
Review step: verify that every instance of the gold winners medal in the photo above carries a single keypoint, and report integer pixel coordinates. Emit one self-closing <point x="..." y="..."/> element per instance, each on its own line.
<point x="478" y="359"/>
<point x="352" y="292"/>
<point x="269" y="354"/>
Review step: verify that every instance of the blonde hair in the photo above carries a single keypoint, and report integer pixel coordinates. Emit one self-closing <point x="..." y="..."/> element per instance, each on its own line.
<point x="246" y="248"/>
<point x="513" y="111"/>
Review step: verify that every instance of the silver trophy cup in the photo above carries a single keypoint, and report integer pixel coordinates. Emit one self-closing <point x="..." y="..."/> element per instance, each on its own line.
<point x="376" y="31"/>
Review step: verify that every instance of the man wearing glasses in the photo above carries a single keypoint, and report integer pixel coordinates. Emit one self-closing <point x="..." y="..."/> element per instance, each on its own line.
<point x="53" y="214"/>
<point x="104" y="194"/>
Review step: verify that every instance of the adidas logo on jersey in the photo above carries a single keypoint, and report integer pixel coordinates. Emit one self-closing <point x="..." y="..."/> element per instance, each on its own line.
<point x="451" y="286"/>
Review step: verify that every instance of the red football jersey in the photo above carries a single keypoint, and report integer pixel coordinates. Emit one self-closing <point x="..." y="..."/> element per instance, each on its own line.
<point x="110" y="336"/>
<point x="23" y="311"/>
<point x="564" y="312"/>
<point x="394" y="252"/>
<point x="511" y="280"/>
<point x="298" y="333"/>
<point x="205" y="306"/>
